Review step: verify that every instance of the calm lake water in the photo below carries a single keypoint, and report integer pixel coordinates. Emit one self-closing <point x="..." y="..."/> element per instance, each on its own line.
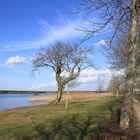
<point x="10" y="101"/>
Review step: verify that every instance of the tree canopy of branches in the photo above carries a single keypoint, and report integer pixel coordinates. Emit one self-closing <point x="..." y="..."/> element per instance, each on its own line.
<point x="112" y="12"/>
<point x="117" y="54"/>
<point x="123" y="15"/>
<point x="66" y="60"/>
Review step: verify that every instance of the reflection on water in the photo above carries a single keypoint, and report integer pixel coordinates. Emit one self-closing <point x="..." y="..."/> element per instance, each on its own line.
<point x="9" y="101"/>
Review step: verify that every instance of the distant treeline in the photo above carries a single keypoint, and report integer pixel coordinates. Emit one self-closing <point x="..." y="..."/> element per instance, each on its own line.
<point x="21" y="92"/>
<point x="39" y="92"/>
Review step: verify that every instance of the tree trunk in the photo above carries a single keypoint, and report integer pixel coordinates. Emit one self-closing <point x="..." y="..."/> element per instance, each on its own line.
<point x="126" y="110"/>
<point x="138" y="46"/>
<point x="131" y="71"/>
<point x="59" y="84"/>
<point x="59" y="93"/>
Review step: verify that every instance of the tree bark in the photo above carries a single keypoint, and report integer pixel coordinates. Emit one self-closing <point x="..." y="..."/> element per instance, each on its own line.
<point x="126" y="111"/>
<point x="138" y="45"/>
<point x="60" y="93"/>
<point x="59" y="83"/>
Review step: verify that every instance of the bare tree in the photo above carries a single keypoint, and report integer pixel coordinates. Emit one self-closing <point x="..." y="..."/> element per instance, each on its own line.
<point x="100" y="82"/>
<point x="121" y="14"/>
<point x="66" y="60"/>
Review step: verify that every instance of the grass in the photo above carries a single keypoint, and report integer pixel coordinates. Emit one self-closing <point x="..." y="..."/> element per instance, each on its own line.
<point x="73" y="96"/>
<point x="54" y="122"/>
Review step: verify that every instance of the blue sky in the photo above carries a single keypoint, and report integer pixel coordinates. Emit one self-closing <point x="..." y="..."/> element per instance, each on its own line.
<point x="27" y="25"/>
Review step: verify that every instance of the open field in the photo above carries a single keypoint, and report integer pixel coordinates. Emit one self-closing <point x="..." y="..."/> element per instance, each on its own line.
<point x="54" y="122"/>
<point x="73" y="96"/>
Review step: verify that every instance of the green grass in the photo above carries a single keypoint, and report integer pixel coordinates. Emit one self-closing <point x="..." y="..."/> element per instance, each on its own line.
<point x="54" y="122"/>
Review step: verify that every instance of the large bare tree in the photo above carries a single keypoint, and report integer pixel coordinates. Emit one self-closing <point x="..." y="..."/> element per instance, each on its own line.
<point x="66" y="60"/>
<point x="122" y="15"/>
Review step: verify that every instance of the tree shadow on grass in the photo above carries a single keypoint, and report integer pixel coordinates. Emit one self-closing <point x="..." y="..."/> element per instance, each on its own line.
<point x="78" y="127"/>
<point x="70" y="129"/>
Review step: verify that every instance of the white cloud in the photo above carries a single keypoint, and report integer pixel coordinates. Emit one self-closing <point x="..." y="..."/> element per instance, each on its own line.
<point x="39" y="86"/>
<point x="91" y="75"/>
<point x="13" y="61"/>
<point x="43" y="86"/>
<point x="87" y="78"/>
<point x="63" y="29"/>
<point x="101" y="43"/>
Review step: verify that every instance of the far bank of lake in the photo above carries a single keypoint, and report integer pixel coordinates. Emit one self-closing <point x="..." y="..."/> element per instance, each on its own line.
<point x="10" y="101"/>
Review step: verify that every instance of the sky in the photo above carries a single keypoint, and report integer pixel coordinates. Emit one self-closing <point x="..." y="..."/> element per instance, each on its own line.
<point x="28" y="25"/>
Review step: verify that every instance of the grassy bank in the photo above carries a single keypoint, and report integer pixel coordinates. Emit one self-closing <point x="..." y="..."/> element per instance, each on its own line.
<point x="48" y="122"/>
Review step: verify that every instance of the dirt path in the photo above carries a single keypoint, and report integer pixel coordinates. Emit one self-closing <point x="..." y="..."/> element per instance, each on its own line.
<point x="136" y="106"/>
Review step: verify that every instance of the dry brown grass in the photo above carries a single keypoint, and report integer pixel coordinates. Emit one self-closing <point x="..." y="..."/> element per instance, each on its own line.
<point x="73" y="97"/>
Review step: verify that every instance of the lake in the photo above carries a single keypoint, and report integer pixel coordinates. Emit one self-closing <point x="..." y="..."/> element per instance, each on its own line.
<point x="10" y="101"/>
